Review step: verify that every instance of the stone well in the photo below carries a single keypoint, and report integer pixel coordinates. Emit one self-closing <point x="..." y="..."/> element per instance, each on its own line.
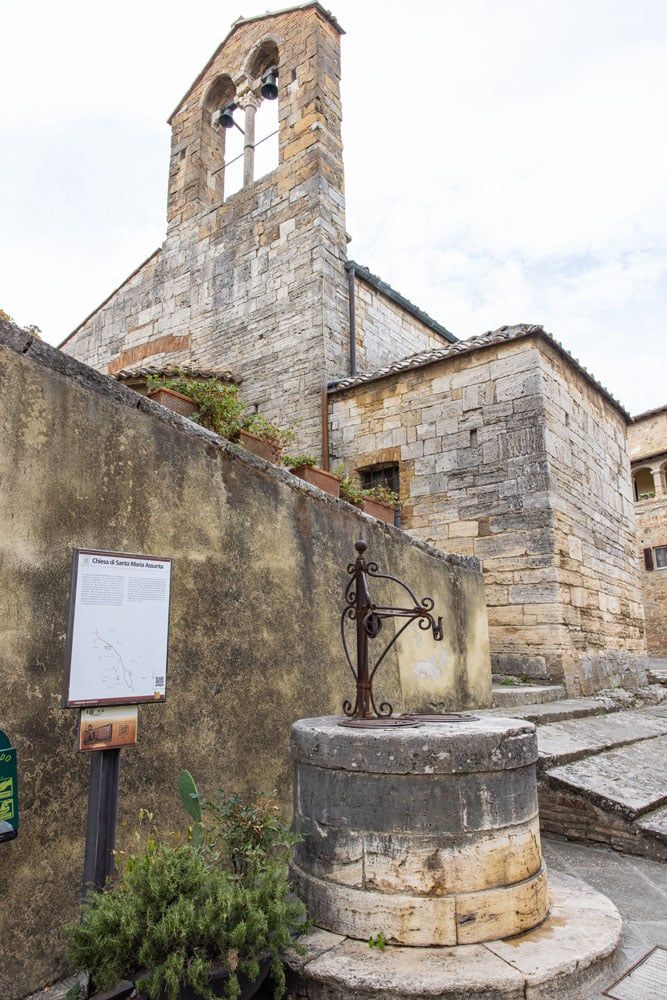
<point x="429" y="835"/>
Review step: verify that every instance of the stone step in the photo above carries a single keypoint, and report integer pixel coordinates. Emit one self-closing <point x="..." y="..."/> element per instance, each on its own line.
<point x="655" y="824"/>
<point x="556" y="711"/>
<point x="631" y="780"/>
<point x="570" y="956"/>
<point x="658" y="675"/>
<point x="573" y="739"/>
<point x="505" y="695"/>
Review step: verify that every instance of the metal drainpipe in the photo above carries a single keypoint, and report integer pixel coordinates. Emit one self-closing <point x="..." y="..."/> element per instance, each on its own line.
<point x="325" y="426"/>
<point x="353" y="321"/>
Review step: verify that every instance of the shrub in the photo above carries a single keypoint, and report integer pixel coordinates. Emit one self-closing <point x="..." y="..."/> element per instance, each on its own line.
<point x="178" y="910"/>
<point x="295" y="461"/>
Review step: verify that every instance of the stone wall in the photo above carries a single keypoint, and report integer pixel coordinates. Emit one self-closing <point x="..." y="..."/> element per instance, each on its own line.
<point x="647" y="436"/>
<point x="385" y="330"/>
<point x="594" y="529"/>
<point x="255" y="283"/>
<point x="652" y="532"/>
<point x="488" y="467"/>
<point x="259" y="565"/>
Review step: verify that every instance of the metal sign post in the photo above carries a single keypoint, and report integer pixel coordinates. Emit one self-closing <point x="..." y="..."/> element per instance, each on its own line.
<point x="117" y="645"/>
<point x="98" y="862"/>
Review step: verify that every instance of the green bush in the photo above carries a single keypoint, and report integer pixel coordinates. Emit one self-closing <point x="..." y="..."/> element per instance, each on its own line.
<point x="178" y="910"/>
<point x="295" y="461"/>
<point x="222" y="409"/>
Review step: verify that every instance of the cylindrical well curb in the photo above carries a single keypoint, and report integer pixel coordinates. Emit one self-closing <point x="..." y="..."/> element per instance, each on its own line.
<point x="429" y="835"/>
<point x="488" y="744"/>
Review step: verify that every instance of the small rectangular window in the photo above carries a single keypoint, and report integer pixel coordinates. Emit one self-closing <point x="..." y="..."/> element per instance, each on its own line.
<point x="660" y="557"/>
<point x="382" y="475"/>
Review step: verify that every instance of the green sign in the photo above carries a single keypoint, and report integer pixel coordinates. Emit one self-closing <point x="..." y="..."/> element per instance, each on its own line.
<point x="9" y="790"/>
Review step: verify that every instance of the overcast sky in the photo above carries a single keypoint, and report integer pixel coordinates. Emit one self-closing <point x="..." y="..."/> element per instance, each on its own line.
<point x="506" y="160"/>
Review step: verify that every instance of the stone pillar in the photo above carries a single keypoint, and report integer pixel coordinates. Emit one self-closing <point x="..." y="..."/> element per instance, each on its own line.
<point x="430" y="835"/>
<point x="250" y="103"/>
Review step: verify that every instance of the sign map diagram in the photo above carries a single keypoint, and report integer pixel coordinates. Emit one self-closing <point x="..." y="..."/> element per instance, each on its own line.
<point x="119" y="629"/>
<point x="117" y="673"/>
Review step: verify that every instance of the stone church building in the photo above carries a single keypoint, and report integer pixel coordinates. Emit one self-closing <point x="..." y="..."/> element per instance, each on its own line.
<point x="502" y="446"/>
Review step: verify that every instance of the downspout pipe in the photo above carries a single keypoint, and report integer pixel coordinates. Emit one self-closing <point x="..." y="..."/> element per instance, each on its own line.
<point x="324" y="398"/>
<point x="353" y="318"/>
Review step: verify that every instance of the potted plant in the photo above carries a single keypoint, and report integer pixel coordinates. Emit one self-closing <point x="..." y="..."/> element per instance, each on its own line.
<point x="305" y="467"/>
<point x="198" y="918"/>
<point x="220" y="407"/>
<point x="350" y="487"/>
<point x="179" y="402"/>
<point x="380" y="502"/>
<point x="263" y="438"/>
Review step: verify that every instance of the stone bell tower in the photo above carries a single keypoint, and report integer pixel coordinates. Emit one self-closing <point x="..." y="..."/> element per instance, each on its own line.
<point x="251" y="276"/>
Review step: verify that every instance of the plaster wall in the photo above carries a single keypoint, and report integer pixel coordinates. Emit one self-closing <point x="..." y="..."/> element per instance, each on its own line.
<point x="258" y="574"/>
<point x="483" y="469"/>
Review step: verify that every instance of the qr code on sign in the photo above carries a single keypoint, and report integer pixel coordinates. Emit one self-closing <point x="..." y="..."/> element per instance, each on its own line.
<point x="159" y="681"/>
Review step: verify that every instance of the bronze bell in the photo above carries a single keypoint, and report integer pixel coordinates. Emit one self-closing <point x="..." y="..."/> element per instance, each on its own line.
<point x="269" y="88"/>
<point x="226" y="116"/>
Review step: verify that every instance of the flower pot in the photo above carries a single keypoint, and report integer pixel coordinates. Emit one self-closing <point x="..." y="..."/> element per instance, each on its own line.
<point x="217" y="979"/>
<point x="318" y="477"/>
<point x="258" y="446"/>
<point x="376" y="509"/>
<point x="175" y="401"/>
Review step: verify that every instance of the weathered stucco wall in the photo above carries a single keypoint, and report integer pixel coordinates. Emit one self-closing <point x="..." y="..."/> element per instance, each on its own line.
<point x="490" y="467"/>
<point x="259" y="567"/>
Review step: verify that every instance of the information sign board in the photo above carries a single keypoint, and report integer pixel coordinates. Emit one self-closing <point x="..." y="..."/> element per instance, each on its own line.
<point x="108" y="728"/>
<point x="118" y="633"/>
<point x="9" y="791"/>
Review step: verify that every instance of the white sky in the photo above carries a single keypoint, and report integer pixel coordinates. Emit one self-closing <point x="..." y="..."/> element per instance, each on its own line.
<point x="506" y="160"/>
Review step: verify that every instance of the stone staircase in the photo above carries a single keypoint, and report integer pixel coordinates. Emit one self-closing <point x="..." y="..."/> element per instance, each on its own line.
<point x="602" y="774"/>
<point x="507" y="691"/>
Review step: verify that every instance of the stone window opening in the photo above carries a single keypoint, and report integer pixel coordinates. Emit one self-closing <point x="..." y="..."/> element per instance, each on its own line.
<point x="385" y="474"/>
<point x="262" y="121"/>
<point x="660" y="555"/>
<point x="250" y="122"/>
<point x="266" y="138"/>
<point x="218" y="147"/>
<point x="644" y="484"/>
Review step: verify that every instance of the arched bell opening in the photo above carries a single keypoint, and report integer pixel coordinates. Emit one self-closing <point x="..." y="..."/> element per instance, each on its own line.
<point x="263" y="73"/>
<point x="218" y="146"/>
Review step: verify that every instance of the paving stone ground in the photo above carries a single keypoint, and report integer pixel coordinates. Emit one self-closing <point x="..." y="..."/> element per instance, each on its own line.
<point x="638" y="887"/>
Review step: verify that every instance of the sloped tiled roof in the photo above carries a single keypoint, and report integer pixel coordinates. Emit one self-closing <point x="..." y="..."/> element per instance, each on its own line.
<point x="500" y="336"/>
<point x="649" y="413"/>
<point x="168" y="370"/>
<point x="372" y="279"/>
